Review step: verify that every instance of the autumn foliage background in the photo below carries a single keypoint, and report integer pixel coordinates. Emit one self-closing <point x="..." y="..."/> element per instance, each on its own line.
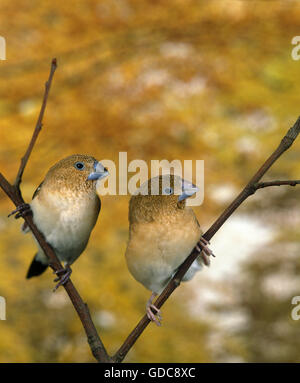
<point x="186" y="79"/>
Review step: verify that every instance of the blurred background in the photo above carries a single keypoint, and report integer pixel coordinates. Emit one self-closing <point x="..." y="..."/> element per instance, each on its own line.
<point x="187" y="79"/>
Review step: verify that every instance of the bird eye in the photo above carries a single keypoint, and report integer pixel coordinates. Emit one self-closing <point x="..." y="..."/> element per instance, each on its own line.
<point x="79" y="165"/>
<point x="168" y="191"/>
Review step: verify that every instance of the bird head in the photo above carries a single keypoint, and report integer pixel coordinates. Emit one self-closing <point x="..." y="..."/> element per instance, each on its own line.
<point x="161" y="195"/>
<point x="76" y="172"/>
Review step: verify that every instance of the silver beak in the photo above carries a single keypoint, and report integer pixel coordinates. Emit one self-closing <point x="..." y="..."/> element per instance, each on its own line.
<point x="188" y="189"/>
<point x="99" y="172"/>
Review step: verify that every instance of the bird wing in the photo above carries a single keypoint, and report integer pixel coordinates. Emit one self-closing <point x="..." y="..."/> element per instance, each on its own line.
<point x="36" y="192"/>
<point x="25" y="228"/>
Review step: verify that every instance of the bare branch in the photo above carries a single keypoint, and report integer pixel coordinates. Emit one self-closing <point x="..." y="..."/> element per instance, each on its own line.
<point x="14" y="193"/>
<point x="262" y="185"/>
<point x="38" y="126"/>
<point x="248" y="190"/>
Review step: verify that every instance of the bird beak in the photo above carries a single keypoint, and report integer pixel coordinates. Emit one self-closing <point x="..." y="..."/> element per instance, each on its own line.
<point x="99" y="172"/>
<point x="188" y="189"/>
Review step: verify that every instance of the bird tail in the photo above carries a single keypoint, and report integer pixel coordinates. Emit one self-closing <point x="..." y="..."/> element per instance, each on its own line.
<point x="36" y="268"/>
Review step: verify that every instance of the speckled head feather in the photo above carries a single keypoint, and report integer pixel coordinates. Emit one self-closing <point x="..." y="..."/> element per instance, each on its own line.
<point x="155" y="198"/>
<point x="71" y="173"/>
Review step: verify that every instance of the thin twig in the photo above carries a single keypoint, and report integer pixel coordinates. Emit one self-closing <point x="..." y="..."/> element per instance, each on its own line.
<point x="14" y="193"/>
<point x="262" y="185"/>
<point x="249" y="189"/>
<point x="38" y="126"/>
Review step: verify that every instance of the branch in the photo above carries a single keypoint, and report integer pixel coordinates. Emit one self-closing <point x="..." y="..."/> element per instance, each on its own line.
<point x="248" y="190"/>
<point x="262" y="185"/>
<point x="38" y="126"/>
<point x="14" y="193"/>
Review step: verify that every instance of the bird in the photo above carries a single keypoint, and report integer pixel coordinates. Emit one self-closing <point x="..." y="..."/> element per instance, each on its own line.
<point x="65" y="208"/>
<point x="163" y="231"/>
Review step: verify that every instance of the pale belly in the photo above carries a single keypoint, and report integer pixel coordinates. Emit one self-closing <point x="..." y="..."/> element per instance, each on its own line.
<point x="155" y="252"/>
<point x="67" y="230"/>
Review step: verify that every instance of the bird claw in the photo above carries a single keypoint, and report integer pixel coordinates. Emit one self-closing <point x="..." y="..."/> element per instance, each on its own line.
<point x="202" y="245"/>
<point x="63" y="278"/>
<point x="204" y="240"/>
<point x="157" y="318"/>
<point x="21" y="211"/>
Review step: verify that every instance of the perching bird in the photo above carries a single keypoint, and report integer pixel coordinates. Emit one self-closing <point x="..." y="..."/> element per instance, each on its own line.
<point x="65" y="209"/>
<point x="162" y="233"/>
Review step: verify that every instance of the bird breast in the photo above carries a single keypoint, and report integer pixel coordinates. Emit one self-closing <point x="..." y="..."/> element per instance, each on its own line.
<point x="66" y="221"/>
<point x="156" y="250"/>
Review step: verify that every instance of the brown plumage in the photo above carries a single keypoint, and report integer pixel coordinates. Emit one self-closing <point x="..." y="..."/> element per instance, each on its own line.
<point x="65" y="208"/>
<point x="162" y="233"/>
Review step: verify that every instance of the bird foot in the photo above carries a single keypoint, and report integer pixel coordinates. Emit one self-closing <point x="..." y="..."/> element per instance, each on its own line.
<point x="202" y="247"/>
<point x="151" y="308"/>
<point x="157" y="318"/>
<point x="63" y="276"/>
<point x="21" y="211"/>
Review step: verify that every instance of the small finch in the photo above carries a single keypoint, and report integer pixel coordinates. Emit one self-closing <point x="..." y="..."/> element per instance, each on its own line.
<point x="162" y="233"/>
<point x="65" y="209"/>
